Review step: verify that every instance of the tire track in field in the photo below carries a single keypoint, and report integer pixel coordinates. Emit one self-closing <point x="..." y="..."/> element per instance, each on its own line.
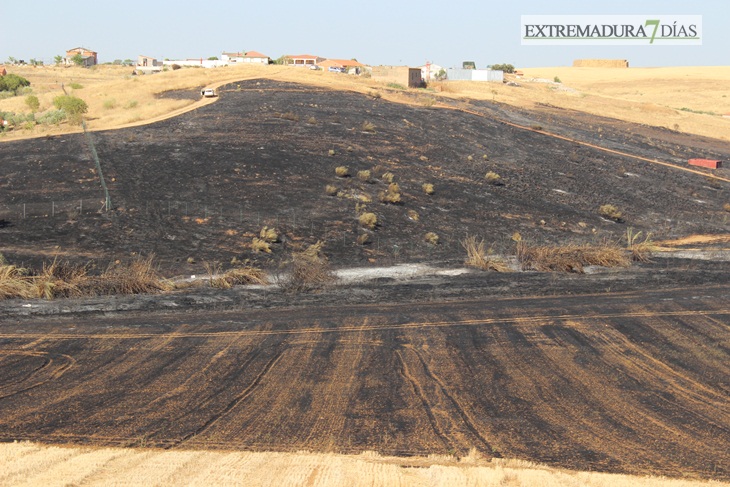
<point x="240" y="398"/>
<point x="418" y="391"/>
<point x="47" y="372"/>
<point x="460" y="411"/>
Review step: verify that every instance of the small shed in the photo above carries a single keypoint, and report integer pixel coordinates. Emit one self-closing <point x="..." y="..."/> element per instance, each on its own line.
<point x="711" y="163"/>
<point x="414" y="78"/>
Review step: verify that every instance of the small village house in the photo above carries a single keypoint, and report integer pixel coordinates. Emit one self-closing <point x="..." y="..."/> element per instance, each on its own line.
<point x="248" y="57"/>
<point x="344" y="65"/>
<point x="302" y="60"/>
<point x="255" y="57"/>
<point x="148" y="65"/>
<point x="90" y="58"/>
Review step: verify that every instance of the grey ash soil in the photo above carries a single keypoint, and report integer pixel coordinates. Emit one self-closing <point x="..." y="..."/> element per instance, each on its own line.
<point x="203" y="184"/>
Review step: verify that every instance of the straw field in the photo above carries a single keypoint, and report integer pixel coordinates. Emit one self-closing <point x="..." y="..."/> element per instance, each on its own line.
<point x="34" y="464"/>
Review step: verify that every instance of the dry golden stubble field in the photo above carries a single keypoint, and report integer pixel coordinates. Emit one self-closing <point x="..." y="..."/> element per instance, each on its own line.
<point x="685" y="99"/>
<point x="35" y="464"/>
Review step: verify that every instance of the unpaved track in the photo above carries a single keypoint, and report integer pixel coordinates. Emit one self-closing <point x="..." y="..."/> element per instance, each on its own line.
<point x="624" y="382"/>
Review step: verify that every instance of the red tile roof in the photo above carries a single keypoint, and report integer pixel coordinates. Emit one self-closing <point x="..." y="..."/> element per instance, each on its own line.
<point x="347" y="63"/>
<point x="255" y="54"/>
<point x="302" y="56"/>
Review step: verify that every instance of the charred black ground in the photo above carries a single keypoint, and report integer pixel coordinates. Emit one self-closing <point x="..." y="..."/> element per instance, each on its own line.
<point x="203" y="184"/>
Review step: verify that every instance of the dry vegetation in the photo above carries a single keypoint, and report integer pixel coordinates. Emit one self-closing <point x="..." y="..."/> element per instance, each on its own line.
<point x="479" y="257"/>
<point x="62" y="279"/>
<point x="569" y="258"/>
<point x="310" y="270"/>
<point x="34" y="464"/>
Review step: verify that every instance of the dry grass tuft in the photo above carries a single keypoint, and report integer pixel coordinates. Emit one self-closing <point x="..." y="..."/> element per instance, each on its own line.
<point x="392" y="195"/>
<point x="290" y="116"/>
<point x="312" y="121"/>
<point x="640" y="250"/>
<point x="342" y="171"/>
<point x="388" y="177"/>
<point x="428" y="188"/>
<point x="258" y="245"/>
<point x="309" y="270"/>
<point x="431" y="238"/>
<point x="479" y="258"/>
<point x="726" y="207"/>
<point x="237" y="276"/>
<point x="363" y="176"/>
<point x="368" y="127"/>
<point x="63" y="280"/>
<point x="331" y="190"/>
<point x="413" y="215"/>
<point x="368" y="220"/>
<point x="610" y="212"/>
<point x="363" y="239"/>
<point x="570" y="258"/>
<point x="269" y="235"/>
<point x="493" y="178"/>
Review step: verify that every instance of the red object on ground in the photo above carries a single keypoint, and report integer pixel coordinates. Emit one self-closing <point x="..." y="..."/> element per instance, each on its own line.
<point x="711" y="163"/>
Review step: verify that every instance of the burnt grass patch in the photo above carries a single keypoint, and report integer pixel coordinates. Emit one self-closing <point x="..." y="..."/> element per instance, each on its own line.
<point x="197" y="188"/>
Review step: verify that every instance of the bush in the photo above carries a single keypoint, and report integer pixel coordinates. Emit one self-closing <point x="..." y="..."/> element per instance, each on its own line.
<point x="110" y="104"/>
<point x="33" y="103"/>
<point x="368" y="220"/>
<point x="130" y="104"/>
<point x="493" y="178"/>
<point x="392" y="195"/>
<point x="73" y="106"/>
<point x="309" y="270"/>
<point x="12" y="82"/>
<point x="52" y="117"/>
<point x="342" y="171"/>
<point x="431" y="238"/>
<point x="507" y="68"/>
<point x="610" y="212"/>
<point x="75" y="86"/>
<point x="428" y="188"/>
<point x="175" y="67"/>
<point x="363" y="176"/>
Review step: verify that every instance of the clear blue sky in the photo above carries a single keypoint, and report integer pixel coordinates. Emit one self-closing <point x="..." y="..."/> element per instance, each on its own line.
<point x="374" y="31"/>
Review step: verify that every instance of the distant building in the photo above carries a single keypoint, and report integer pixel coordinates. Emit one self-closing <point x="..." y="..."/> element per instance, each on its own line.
<point x="248" y="57"/>
<point x="430" y="71"/>
<point x="255" y="57"/>
<point x="88" y="56"/>
<point x="414" y="78"/>
<point x="148" y="65"/>
<point x="302" y="60"/>
<point x="232" y="57"/>
<point x="344" y="65"/>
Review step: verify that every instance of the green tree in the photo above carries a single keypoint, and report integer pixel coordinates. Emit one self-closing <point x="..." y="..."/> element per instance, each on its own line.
<point x="33" y="103"/>
<point x="12" y="82"/>
<point x="507" y="68"/>
<point x="77" y="59"/>
<point x="73" y="106"/>
<point x="213" y="58"/>
<point x="58" y="59"/>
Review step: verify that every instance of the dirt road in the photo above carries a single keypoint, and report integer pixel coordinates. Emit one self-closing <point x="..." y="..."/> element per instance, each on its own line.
<point x="624" y="382"/>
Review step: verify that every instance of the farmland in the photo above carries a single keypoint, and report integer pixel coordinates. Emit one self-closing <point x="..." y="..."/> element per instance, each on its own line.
<point x="460" y="375"/>
<point x="628" y="383"/>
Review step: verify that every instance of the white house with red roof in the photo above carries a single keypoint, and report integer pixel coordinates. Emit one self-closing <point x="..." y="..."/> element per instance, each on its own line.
<point x="248" y="57"/>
